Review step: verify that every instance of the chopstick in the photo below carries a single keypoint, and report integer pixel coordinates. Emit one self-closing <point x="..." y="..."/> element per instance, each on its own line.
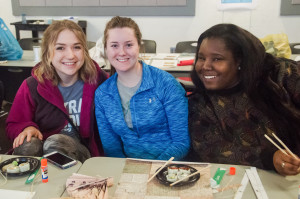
<point x="291" y="153"/>
<point x="189" y="176"/>
<point x="278" y="147"/>
<point x="160" y="169"/>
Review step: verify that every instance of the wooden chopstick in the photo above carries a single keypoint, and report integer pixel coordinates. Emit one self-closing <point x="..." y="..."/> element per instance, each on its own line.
<point x="278" y="147"/>
<point x="189" y="176"/>
<point x="160" y="169"/>
<point x="286" y="148"/>
<point x="290" y="152"/>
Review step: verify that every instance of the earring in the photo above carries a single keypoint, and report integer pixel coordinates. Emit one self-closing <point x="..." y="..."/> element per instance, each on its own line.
<point x="239" y="68"/>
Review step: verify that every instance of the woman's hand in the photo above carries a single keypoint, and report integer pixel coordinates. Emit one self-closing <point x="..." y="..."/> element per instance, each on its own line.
<point x="286" y="164"/>
<point x="27" y="132"/>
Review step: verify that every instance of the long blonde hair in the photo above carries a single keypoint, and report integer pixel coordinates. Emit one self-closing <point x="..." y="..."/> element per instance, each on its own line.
<point x="121" y="22"/>
<point x="87" y="73"/>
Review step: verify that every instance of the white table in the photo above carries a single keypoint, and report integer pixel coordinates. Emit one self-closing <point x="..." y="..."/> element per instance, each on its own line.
<point x="276" y="186"/>
<point x="27" y="61"/>
<point x="54" y="188"/>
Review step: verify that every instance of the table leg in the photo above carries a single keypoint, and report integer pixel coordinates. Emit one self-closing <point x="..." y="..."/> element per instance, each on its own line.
<point x="17" y="33"/>
<point x="34" y="34"/>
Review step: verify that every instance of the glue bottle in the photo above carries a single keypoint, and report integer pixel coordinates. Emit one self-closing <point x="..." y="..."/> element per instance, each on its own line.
<point x="44" y="169"/>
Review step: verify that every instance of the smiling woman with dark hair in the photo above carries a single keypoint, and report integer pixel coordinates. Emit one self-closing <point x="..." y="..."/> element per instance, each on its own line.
<point x="242" y="93"/>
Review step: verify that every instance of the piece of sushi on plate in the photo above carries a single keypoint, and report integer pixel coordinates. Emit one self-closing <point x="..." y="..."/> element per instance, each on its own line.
<point x="171" y="177"/>
<point x="24" y="166"/>
<point x="4" y="168"/>
<point x="184" y="170"/>
<point x="182" y="176"/>
<point x="173" y="169"/>
<point x="13" y="169"/>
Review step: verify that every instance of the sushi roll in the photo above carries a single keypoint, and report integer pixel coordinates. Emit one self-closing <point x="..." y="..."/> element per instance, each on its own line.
<point x="184" y="170"/>
<point x="182" y="176"/>
<point x="4" y="168"/>
<point x="171" y="177"/>
<point x="173" y="170"/>
<point x="13" y="169"/>
<point x="24" y="166"/>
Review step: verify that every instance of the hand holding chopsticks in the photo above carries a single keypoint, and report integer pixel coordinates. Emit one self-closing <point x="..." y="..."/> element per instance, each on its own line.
<point x="286" y="148"/>
<point x="160" y="169"/>
<point x="189" y="176"/>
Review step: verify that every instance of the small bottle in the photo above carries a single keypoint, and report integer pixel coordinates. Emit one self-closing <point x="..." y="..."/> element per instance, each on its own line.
<point x="44" y="168"/>
<point x="24" y="19"/>
<point x="172" y="50"/>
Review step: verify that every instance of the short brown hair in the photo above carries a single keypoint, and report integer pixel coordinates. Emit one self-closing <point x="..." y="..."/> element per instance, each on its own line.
<point x="87" y="73"/>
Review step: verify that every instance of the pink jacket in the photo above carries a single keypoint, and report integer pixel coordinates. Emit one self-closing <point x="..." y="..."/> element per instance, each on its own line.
<point x="46" y="110"/>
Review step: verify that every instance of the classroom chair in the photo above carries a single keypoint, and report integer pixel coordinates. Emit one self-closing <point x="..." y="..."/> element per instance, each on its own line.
<point x="148" y="46"/>
<point x="186" y="47"/>
<point x="295" y="47"/>
<point x="28" y="43"/>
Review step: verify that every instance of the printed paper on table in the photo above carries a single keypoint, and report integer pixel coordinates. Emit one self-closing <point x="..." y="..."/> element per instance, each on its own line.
<point x="133" y="183"/>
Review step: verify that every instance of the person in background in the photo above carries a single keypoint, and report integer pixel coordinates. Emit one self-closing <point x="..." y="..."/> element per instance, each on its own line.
<point x="54" y="108"/>
<point x="243" y="93"/>
<point x="141" y="111"/>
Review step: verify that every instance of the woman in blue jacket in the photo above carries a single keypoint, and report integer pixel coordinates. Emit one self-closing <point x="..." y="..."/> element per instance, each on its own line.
<point x="141" y="111"/>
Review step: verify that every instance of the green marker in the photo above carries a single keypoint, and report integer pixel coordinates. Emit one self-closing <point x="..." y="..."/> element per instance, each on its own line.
<point x="33" y="174"/>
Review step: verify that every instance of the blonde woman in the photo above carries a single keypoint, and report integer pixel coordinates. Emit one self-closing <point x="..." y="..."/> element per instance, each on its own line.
<point x="56" y="104"/>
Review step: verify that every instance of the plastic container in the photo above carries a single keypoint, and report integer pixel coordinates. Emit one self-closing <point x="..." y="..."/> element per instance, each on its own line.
<point x="10" y="48"/>
<point x="232" y="170"/>
<point x="44" y="169"/>
<point x="24" y="19"/>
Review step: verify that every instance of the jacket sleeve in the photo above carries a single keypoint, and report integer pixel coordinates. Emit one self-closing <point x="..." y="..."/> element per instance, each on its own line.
<point x="111" y="142"/>
<point x="21" y="114"/>
<point x="176" y="108"/>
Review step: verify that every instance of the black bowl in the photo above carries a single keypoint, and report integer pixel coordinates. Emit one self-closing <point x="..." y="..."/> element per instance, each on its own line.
<point x="33" y="162"/>
<point x="161" y="176"/>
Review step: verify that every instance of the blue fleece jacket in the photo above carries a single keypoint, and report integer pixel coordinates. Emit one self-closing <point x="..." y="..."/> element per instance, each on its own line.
<point x="159" y="112"/>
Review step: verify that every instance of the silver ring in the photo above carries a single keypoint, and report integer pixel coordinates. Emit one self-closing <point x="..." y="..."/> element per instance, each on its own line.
<point x="283" y="165"/>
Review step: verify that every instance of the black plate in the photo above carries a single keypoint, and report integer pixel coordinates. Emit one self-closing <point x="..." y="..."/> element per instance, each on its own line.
<point x="161" y="176"/>
<point x="34" y="164"/>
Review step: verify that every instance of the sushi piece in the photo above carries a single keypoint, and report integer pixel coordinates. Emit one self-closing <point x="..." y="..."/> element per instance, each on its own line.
<point x="173" y="170"/>
<point x="171" y="177"/>
<point x="4" y="168"/>
<point x="24" y="166"/>
<point x="182" y="176"/>
<point x="184" y="170"/>
<point x="13" y="169"/>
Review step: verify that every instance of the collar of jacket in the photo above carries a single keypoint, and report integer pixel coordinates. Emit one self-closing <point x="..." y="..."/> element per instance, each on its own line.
<point x="147" y="81"/>
<point x="52" y="94"/>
